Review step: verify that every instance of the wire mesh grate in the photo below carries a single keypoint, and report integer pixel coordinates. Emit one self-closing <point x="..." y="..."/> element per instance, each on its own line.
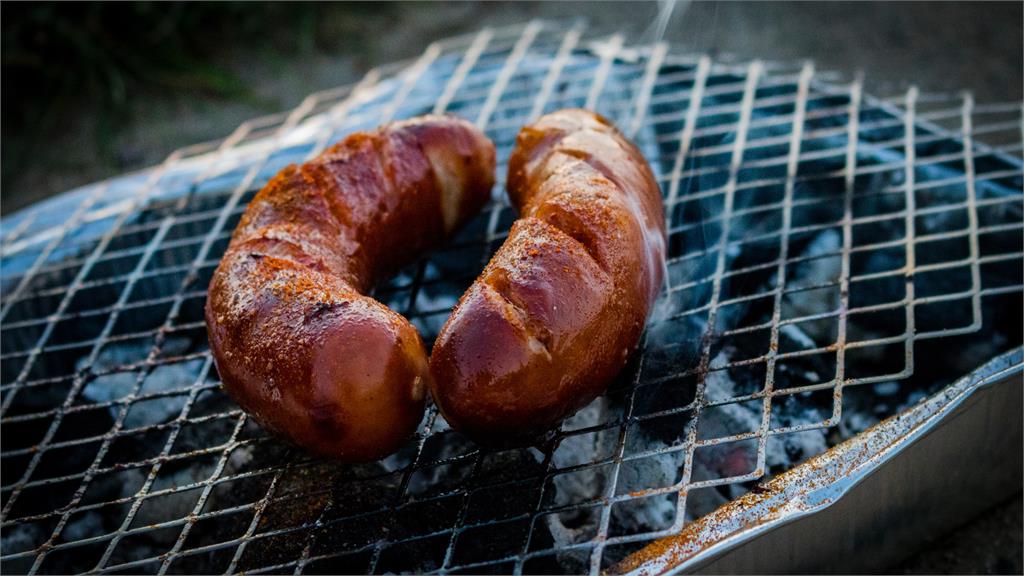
<point x="821" y="240"/>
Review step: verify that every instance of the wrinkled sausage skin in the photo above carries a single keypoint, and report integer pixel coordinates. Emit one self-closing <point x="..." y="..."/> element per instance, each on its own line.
<point x="556" y="313"/>
<point x="296" y="340"/>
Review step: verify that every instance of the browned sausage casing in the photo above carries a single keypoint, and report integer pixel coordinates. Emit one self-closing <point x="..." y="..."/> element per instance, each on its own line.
<point x="555" y="314"/>
<point x="296" y="341"/>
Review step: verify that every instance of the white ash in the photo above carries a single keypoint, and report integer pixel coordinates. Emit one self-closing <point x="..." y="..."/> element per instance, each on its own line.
<point x="115" y="355"/>
<point x="797" y="335"/>
<point x="820" y="270"/>
<point x="654" y="512"/>
<point x="823" y="269"/>
<point x="239" y="459"/>
<point x="717" y="384"/>
<point x="854" y="422"/>
<point x="571" y="561"/>
<point x="581" y="485"/>
<point x="22" y="537"/>
<point x="640" y="515"/>
<point x="114" y="386"/>
<point x="110" y="387"/>
<point x="783" y="451"/>
<point x="394" y="462"/>
<point x="863" y="407"/>
<point x="83" y="526"/>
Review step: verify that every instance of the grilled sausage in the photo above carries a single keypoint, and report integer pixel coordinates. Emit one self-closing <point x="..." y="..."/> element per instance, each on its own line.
<point x="296" y="341"/>
<point x="555" y="314"/>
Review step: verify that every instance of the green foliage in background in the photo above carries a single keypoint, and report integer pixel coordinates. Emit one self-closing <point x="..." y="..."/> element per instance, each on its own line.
<point x="65" y="59"/>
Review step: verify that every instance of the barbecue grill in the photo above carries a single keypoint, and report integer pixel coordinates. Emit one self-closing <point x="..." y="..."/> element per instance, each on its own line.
<point x="843" y="284"/>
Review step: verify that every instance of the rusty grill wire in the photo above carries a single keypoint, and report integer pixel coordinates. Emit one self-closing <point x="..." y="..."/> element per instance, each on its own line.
<point x="821" y="242"/>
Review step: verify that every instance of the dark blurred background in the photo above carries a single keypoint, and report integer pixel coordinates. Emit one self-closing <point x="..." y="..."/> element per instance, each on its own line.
<point x="95" y="89"/>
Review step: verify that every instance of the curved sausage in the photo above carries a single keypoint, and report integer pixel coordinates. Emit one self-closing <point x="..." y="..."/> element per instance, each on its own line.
<point x="296" y="341"/>
<point x="557" y="311"/>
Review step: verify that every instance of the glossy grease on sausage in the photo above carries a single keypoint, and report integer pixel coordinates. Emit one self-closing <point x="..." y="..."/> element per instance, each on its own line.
<point x="556" y="313"/>
<point x="296" y="341"/>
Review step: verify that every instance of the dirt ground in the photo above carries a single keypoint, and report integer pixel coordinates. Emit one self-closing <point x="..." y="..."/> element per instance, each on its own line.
<point x="947" y="46"/>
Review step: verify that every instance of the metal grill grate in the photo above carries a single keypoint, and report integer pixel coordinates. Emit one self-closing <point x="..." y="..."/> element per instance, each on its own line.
<point x="820" y="241"/>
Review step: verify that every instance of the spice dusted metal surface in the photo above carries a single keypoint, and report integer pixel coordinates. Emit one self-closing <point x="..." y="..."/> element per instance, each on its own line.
<point x="821" y="242"/>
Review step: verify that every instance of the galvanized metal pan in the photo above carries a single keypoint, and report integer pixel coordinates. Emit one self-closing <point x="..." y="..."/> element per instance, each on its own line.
<point x="867" y="502"/>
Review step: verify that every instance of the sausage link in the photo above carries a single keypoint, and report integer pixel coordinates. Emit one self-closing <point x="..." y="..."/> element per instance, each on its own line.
<point x="296" y="340"/>
<point x="557" y="311"/>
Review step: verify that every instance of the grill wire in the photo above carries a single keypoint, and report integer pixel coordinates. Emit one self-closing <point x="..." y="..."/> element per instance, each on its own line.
<point x="821" y="241"/>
